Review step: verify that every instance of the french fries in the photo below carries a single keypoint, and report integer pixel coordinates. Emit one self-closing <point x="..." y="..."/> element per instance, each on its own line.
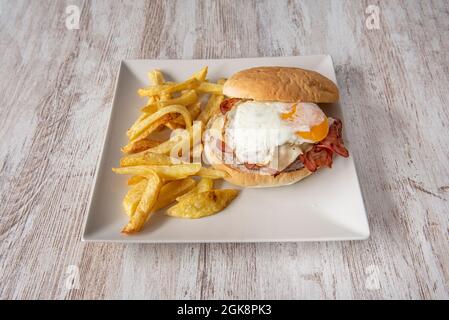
<point x="147" y="202"/>
<point x="203" y="204"/>
<point x="133" y="133"/>
<point x="161" y="171"/>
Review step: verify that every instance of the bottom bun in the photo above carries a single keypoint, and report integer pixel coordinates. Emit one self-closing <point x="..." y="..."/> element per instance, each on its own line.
<point x="246" y="179"/>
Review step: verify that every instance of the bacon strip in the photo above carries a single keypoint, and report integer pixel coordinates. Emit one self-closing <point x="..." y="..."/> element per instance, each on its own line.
<point x="252" y="166"/>
<point x="221" y="145"/>
<point x="321" y="154"/>
<point x="228" y="104"/>
<point x="334" y="141"/>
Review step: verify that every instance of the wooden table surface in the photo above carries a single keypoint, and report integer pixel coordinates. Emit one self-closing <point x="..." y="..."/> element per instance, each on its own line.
<point x="56" y="88"/>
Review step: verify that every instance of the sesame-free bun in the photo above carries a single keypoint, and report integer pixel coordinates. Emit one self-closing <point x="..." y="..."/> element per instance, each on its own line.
<point x="281" y="84"/>
<point x="255" y="180"/>
<point x="238" y="174"/>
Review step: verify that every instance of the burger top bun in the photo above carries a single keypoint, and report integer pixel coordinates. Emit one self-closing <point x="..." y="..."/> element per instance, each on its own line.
<point x="281" y="84"/>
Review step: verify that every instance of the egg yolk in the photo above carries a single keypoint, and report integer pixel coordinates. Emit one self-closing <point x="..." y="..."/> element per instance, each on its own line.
<point x="290" y="114"/>
<point x="316" y="133"/>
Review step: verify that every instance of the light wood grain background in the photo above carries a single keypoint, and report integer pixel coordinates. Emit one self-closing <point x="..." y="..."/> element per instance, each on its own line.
<point x="56" y="88"/>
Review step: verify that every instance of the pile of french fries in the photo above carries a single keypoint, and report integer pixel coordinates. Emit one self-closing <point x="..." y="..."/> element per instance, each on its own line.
<point x="161" y="171"/>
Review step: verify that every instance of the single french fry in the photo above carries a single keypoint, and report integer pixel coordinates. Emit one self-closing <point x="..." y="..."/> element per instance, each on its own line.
<point x="140" y="145"/>
<point x="212" y="173"/>
<point x="134" y="180"/>
<point x="203" y="204"/>
<point x="173" y="125"/>
<point x="205" y="184"/>
<point x="146" y="204"/>
<point x="133" y="196"/>
<point x="200" y="75"/>
<point x="189" y="97"/>
<point x="157" y="78"/>
<point x="145" y="158"/>
<point x="167" y="88"/>
<point x="166" y="146"/>
<point x="208" y="87"/>
<point x="167" y="172"/>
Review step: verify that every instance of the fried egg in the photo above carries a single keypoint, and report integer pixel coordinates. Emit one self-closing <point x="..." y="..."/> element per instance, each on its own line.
<point x="255" y="129"/>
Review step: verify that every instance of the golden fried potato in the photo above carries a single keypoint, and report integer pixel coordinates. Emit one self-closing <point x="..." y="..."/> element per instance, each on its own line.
<point x="150" y="129"/>
<point x="157" y="78"/>
<point x="167" y="88"/>
<point x="146" y="204"/>
<point x="173" y="189"/>
<point x="205" y="184"/>
<point x="134" y="180"/>
<point x="133" y="196"/>
<point x="173" y="172"/>
<point x="208" y="87"/>
<point x="187" y="98"/>
<point x="133" y="133"/>
<point x="167" y="146"/>
<point x="200" y="75"/>
<point x="194" y="110"/>
<point x="145" y="158"/>
<point x="203" y="204"/>
<point x="140" y="145"/>
<point x="174" y="125"/>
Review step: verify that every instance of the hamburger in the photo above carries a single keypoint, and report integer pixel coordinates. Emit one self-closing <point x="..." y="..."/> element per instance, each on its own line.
<point x="271" y="131"/>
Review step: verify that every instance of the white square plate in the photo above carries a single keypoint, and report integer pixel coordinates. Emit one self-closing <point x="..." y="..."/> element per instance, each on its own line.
<point x="326" y="206"/>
